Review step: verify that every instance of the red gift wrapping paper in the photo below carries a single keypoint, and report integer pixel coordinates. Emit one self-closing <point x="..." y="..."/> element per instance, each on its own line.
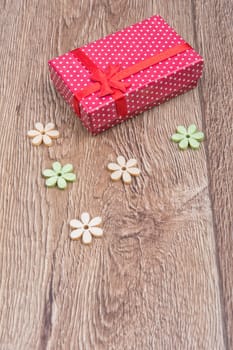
<point x="113" y="101"/>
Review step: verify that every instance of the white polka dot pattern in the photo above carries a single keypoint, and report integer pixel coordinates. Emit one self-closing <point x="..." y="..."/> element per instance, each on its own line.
<point x="149" y="87"/>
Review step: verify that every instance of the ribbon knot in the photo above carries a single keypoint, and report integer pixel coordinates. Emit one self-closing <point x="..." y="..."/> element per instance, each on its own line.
<point x="109" y="81"/>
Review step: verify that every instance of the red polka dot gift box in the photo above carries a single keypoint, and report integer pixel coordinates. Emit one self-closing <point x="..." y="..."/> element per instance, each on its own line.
<point x="125" y="73"/>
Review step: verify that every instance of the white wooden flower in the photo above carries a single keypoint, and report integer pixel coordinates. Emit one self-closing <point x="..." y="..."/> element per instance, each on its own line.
<point x="86" y="228"/>
<point x="43" y="134"/>
<point x="124" y="170"/>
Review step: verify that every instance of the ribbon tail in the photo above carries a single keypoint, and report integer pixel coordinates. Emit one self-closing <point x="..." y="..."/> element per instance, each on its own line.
<point x="120" y="103"/>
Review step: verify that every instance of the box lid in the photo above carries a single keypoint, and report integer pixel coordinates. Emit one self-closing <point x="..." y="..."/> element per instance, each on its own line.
<point x="126" y="47"/>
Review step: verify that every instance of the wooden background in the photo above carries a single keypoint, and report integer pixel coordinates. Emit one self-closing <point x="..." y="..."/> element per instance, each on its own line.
<point x="162" y="276"/>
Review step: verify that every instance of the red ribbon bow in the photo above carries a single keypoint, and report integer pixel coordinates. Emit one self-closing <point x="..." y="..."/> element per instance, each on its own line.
<point x="109" y="82"/>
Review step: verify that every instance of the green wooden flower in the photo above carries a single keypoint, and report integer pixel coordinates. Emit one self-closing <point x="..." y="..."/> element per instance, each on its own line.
<point x="59" y="175"/>
<point x="190" y="137"/>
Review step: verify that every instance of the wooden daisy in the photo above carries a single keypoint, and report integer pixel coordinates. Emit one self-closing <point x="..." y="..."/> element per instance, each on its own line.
<point x="124" y="169"/>
<point x="86" y="228"/>
<point x="43" y="134"/>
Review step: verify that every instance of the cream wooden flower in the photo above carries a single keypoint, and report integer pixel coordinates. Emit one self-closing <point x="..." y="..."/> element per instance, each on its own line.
<point x="43" y="134"/>
<point x="86" y="228"/>
<point x="124" y="170"/>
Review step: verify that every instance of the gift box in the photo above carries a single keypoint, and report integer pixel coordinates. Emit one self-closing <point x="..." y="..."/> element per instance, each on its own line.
<point x="126" y="73"/>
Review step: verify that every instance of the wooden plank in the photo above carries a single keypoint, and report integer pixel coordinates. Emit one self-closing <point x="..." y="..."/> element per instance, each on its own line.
<point x="214" y="28"/>
<point x="152" y="282"/>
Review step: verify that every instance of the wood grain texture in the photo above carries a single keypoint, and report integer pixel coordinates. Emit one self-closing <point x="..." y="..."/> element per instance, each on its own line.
<point x="161" y="276"/>
<point x="215" y="91"/>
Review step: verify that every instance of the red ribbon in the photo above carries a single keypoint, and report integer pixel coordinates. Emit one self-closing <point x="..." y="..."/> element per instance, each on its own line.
<point x="110" y="82"/>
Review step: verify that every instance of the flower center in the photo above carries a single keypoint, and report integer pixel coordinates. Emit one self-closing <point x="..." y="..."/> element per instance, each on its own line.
<point x="86" y="227"/>
<point x="59" y="174"/>
<point x="123" y="168"/>
<point x="188" y="136"/>
<point x="42" y="132"/>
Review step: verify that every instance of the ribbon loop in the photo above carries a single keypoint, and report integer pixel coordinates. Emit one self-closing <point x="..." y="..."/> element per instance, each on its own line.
<point x="109" y="83"/>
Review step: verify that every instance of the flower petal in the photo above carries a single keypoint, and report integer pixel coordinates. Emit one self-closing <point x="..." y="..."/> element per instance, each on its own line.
<point x="121" y="161"/>
<point x="48" y="173"/>
<point x="184" y="144"/>
<point x="95" y="221"/>
<point x="51" y="181"/>
<point x="191" y="129"/>
<point x="47" y="140"/>
<point x="134" y="171"/>
<point x="96" y="231"/>
<point x="56" y="166"/>
<point x="199" y="136"/>
<point x="194" y="143"/>
<point x="71" y="177"/>
<point x="181" y="130"/>
<point x="131" y="163"/>
<point x="61" y="183"/>
<point x="39" y="127"/>
<point x="37" y="140"/>
<point x="116" y="175"/>
<point x="68" y="168"/>
<point x="113" y="166"/>
<point x="76" y="223"/>
<point x="85" y="217"/>
<point x="126" y="177"/>
<point x="177" y="137"/>
<point x="33" y="133"/>
<point x="49" y="126"/>
<point x="86" y="238"/>
<point x="54" y="134"/>
<point x="76" y="234"/>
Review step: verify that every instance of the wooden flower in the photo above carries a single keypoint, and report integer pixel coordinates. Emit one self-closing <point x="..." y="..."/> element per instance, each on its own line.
<point x="59" y="175"/>
<point x="86" y="228"/>
<point x="124" y="169"/>
<point x="43" y="134"/>
<point x="188" y="137"/>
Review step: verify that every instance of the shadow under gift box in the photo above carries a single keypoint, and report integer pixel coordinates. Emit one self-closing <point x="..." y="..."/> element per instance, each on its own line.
<point x="149" y="87"/>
